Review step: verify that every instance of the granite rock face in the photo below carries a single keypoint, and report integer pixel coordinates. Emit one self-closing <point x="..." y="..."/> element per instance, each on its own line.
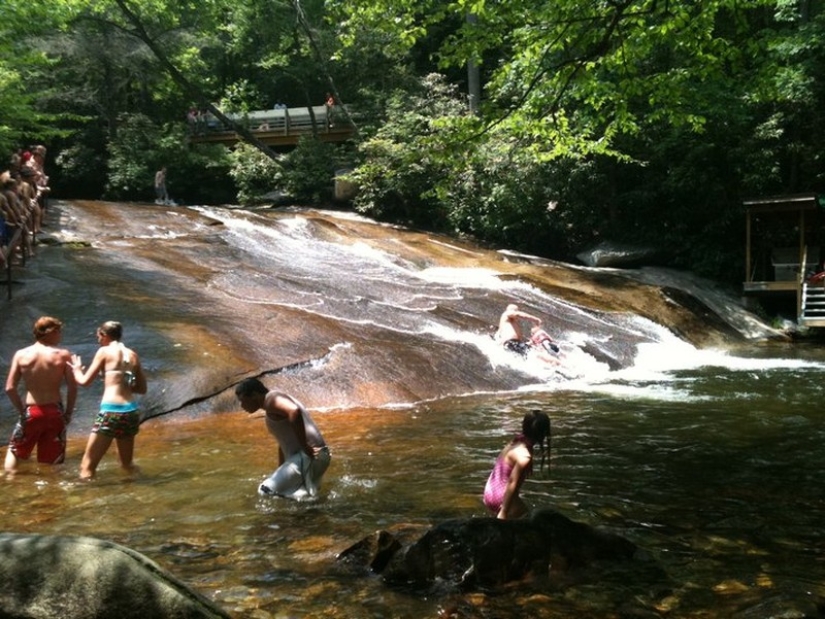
<point x="48" y="576"/>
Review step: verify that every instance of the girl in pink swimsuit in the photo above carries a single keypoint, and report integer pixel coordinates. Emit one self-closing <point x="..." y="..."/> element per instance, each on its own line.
<point x="514" y="464"/>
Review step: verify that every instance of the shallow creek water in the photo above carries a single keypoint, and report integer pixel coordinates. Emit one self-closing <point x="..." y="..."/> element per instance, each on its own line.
<point x="711" y="473"/>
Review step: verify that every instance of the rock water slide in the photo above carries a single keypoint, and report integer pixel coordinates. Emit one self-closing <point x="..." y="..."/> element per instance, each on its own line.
<point x="374" y="315"/>
<point x="335" y="309"/>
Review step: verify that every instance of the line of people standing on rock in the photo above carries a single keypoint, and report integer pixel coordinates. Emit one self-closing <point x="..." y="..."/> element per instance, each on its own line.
<point x="24" y="188"/>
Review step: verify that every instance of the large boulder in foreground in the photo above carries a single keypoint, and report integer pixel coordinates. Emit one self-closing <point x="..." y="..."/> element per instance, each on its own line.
<point x="47" y="576"/>
<point x="485" y="552"/>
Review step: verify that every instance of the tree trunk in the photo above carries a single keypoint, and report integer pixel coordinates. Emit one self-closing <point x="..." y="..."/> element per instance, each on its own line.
<point x="188" y="87"/>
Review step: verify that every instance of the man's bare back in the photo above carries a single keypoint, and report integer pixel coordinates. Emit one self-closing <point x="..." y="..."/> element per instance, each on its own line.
<point x="42" y="370"/>
<point x="508" y="325"/>
<point x="42" y="367"/>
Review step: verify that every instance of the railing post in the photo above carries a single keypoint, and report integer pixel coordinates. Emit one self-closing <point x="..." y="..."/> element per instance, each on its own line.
<point x="748" y="277"/>
<point x="8" y="276"/>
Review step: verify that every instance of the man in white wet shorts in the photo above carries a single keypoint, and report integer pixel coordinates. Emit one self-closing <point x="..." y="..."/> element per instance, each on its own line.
<point x="303" y="456"/>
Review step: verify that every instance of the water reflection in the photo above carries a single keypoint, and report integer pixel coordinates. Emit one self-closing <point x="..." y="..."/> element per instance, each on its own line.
<point x="721" y="487"/>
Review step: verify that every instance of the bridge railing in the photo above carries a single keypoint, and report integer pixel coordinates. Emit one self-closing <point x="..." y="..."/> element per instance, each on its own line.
<point x="278" y="121"/>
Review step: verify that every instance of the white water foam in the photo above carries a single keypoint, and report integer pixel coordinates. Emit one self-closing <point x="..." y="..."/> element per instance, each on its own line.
<point x="406" y="295"/>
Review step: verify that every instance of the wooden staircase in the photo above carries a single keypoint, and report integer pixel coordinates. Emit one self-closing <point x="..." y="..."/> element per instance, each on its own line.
<point x="812" y="305"/>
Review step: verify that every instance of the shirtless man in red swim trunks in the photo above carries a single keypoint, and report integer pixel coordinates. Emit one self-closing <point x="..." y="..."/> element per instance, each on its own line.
<point x="43" y="368"/>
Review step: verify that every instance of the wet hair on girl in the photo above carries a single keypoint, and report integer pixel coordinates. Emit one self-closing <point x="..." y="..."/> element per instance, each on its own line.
<point x="112" y="329"/>
<point x="536" y="428"/>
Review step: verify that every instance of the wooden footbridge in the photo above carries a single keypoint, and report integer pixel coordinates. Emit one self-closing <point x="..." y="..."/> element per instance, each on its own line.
<point x="278" y="126"/>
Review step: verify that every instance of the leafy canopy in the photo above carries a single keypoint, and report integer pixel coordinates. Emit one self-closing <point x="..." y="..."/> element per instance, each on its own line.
<point x="566" y="77"/>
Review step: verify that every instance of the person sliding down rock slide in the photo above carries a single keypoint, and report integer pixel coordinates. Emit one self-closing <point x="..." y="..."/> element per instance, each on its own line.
<point x="540" y="339"/>
<point x="509" y="332"/>
<point x="548" y="351"/>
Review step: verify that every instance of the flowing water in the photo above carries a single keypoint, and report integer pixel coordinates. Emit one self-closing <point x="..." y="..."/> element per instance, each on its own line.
<point x="708" y="459"/>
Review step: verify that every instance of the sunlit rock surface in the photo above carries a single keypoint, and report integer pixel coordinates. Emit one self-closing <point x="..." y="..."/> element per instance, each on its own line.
<point x="339" y="310"/>
<point x="46" y="576"/>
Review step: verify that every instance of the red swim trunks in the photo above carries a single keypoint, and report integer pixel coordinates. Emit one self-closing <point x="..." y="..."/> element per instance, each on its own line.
<point x="41" y="425"/>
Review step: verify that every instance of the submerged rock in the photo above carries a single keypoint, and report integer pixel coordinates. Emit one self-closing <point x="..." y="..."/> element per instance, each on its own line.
<point x="485" y="552"/>
<point x="47" y="576"/>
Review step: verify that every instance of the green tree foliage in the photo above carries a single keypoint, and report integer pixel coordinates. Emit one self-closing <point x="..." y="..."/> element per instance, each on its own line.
<point x="18" y="105"/>
<point x="308" y="171"/>
<point x="638" y="120"/>
<point x="401" y="163"/>
<point x="632" y="120"/>
<point x="570" y="77"/>
<point x="262" y="52"/>
<point x="141" y="147"/>
<point x="254" y="173"/>
<point x="414" y="171"/>
<point x="24" y="70"/>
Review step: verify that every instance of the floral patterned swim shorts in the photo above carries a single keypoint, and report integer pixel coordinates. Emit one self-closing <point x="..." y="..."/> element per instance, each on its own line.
<point x="117" y="420"/>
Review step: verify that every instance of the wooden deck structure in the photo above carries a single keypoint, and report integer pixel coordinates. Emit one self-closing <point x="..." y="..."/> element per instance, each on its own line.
<point x="784" y="236"/>
<point x="278" y="127"/>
